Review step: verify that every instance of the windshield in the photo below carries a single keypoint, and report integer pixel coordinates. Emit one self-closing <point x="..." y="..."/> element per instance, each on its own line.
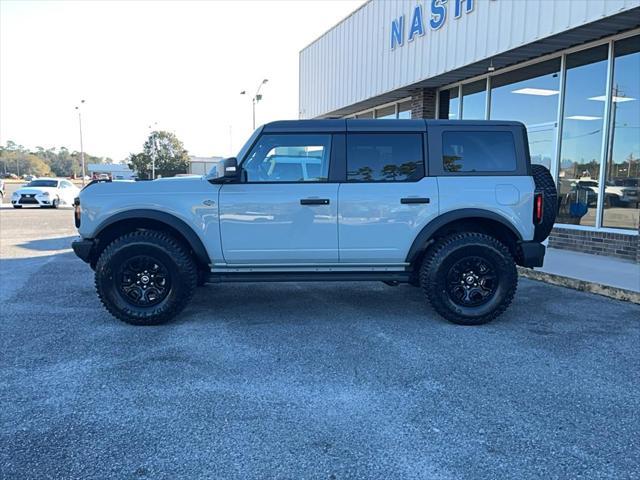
<point x="43" y="183"/>
<point x="245" y="148"/>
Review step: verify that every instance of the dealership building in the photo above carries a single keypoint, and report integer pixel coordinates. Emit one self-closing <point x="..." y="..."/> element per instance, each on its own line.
<point x="568" y="69"/>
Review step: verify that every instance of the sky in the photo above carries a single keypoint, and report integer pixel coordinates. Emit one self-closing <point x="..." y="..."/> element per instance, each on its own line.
<point x="176" y="66"/>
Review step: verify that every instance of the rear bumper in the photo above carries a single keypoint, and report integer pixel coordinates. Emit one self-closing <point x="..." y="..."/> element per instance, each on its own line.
<point x="82" y="248"/>
<point x="532" y="254"/>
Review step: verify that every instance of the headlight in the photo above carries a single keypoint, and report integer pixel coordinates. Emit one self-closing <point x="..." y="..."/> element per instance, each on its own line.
<point x="45" y="194"/>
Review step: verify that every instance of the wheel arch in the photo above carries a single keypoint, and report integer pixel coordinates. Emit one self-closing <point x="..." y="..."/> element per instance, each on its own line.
<point x="466" y="219"/>
<point x="147" y="219"/>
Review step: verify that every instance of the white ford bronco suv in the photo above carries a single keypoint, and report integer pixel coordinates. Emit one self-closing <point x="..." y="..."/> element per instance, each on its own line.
<point x="449" y="206"/>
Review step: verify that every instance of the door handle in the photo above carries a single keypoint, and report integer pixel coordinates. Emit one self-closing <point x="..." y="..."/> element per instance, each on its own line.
<point x="411" y="200"/>
<point x="314" y="201"/>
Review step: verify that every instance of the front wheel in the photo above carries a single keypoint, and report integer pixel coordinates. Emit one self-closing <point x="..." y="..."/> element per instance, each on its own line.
<point x="469" y="278"/>
<point x="145" y="277"/>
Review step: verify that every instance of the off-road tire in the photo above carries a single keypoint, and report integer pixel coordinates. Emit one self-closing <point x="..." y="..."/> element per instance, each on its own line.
<point x="179" y="263"/>
<point x="441" y="258"/>
<point x="545" y="184"/>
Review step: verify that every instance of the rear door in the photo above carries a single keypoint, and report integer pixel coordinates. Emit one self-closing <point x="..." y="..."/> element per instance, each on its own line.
<point x="387" y="198"/>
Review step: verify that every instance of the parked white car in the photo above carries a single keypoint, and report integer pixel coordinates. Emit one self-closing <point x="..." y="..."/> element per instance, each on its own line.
<point x="45" y="192"/>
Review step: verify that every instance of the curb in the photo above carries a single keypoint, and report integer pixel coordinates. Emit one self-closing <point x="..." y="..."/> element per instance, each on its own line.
<point x="581" y="285"/>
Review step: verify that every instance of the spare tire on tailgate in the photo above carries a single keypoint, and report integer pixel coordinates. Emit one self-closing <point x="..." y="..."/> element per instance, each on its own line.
<point x="545" y="185"/>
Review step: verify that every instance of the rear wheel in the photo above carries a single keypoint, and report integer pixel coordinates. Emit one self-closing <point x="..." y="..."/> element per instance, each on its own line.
<point x="145" y="277"/>
<point x="469" y="278"/>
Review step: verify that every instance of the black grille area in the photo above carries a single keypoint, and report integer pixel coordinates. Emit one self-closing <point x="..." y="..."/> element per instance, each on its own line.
<point x="28" y="200"/>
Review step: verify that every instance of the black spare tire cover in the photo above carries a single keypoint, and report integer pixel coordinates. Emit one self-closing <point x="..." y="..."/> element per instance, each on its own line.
<point x="545" y="185"/>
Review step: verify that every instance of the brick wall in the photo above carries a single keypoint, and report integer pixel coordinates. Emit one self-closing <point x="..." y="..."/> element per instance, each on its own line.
<point x="599" y="243"/>
<point x="423" y="103"/>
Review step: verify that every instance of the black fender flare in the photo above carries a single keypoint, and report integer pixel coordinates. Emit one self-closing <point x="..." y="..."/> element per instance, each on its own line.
<point x="420" y="242"/>
<point x="174" y="222"/>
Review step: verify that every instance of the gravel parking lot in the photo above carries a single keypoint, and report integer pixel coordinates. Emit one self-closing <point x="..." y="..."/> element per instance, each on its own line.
<point x="297" y="381"/>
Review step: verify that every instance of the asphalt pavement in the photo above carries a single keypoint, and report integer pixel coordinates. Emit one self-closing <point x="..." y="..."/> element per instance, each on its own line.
<point x="309" y="380"/>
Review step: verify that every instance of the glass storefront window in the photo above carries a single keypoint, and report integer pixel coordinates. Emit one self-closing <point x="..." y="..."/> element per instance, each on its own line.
<point x="386" y="112"/>
<point x="580" y="151"/>
<point x="365" y="115"/>
<point x="530" y="95"/>
<point x="621" y="189"/>
<point x="449" y="103"/>
<point x="474" y="100"/>
<point x="404" y="110"/>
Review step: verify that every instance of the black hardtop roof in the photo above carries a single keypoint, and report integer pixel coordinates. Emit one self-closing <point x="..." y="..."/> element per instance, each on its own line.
<point x="352" y="124"/>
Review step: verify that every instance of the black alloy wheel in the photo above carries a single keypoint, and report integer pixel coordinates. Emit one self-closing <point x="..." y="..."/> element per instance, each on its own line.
<point x="472" y="281"/>
<point x="144" y="281"/>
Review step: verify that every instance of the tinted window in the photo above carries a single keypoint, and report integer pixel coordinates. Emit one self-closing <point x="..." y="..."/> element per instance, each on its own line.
<point x="289" y="158"/>
<point x="387" y="157"/>
<point x="478" y="152"/>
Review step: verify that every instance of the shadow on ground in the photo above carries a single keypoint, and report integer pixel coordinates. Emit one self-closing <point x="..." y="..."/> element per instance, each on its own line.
<point x="47" y="244"/>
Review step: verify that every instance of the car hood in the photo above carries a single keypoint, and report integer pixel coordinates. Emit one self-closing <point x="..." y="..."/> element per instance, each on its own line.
<point x="171" y="185"/>
<point x="36" y="190"/>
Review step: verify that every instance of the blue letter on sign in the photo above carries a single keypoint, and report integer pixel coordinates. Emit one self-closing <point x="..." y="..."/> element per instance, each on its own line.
<point x="458" y="10"/>
<point x="438" y="13"/>
<point x="397" y="32"/>
<point x="417" y="27"/>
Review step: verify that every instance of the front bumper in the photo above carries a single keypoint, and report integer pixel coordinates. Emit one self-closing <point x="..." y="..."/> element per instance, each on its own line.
<point x="532" y="254"/>
<point x="82" y="248"/>
<point x="39" y="200"/>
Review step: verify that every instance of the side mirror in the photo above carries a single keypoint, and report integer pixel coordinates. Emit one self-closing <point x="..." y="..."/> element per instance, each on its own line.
<point x="230" y="166"/>
<point x="227" y="170"/>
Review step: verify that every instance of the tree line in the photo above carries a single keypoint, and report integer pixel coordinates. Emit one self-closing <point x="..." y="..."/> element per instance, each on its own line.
<point x="57" y="161"/>
<point x="161" y="147"/>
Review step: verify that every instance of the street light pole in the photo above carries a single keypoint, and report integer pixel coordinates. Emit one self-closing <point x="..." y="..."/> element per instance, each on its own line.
<point x="81" y="145"/>
<point x="155" y="151"/>
<point x="256" y="98"/>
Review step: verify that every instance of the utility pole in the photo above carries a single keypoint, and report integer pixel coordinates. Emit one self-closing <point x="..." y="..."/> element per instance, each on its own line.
<point x="256" y="98"/>
<point x="81" y="145"/>
<point x="155" y="150"/>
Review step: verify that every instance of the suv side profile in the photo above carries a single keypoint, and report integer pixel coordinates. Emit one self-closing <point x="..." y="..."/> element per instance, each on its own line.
<point x="449" y="206"/>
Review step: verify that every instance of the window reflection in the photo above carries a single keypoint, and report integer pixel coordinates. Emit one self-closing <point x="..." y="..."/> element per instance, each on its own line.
<point x="449" y="103"/>
<point x="474" y="100"/>
<point x="623" y="156"/>
<point x="580" y="152"/>
<point x="404" y="110"/>
<point x="386" y="112"/>
<point x="388" y="157"/>
<point x="530" y="95"/>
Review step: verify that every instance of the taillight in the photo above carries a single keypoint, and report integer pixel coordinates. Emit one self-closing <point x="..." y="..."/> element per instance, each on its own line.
<point x="76" y="211"/>
<point x="538" y="208"/>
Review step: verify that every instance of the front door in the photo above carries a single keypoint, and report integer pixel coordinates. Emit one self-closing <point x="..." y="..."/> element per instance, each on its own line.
<point x="282" y="211"/>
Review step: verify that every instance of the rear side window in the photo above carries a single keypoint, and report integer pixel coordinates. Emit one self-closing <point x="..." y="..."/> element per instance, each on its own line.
<point x="384" y="157"/>
<point x="468" y="152"/>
